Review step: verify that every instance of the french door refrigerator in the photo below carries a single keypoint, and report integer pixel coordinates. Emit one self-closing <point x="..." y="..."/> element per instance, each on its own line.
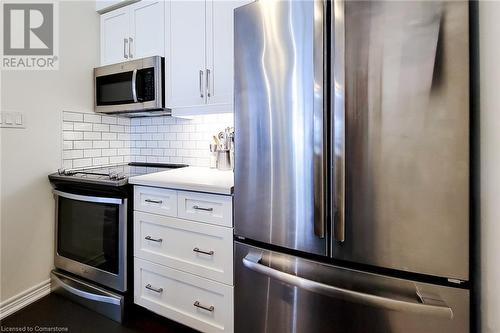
<point x="352" y="166"/>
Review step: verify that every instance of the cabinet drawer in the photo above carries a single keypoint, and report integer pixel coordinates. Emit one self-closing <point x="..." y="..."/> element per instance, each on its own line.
<point x="196" y="302"/>
<point x="209" y="208"/>
<point x="155" y="200"/>
<point x="202" y="249"/>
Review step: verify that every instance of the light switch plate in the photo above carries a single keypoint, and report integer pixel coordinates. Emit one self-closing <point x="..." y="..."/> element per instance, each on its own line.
<point x="12" y="119"/>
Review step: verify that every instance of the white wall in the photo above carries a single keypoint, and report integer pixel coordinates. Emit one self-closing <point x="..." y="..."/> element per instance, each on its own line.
<point x="29" y="155"/>
<point x="489" y="32"/>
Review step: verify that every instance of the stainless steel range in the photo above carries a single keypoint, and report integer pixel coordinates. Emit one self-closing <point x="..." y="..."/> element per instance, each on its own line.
<point x="93" y="236"/>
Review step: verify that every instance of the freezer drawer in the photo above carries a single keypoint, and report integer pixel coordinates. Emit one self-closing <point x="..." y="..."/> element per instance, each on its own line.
<point x="280" y="293"/>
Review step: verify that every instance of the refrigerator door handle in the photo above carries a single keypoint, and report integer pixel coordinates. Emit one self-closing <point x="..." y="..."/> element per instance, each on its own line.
<point x="430" y="305"/>
<point x="318" y="120"/>
<point x="338" y="120"/>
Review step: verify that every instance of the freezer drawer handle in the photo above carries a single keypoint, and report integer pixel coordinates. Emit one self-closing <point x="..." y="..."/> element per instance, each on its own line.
<point x="156" y="290"/>
<point x="149" y="238"/>
<point x="437" y="308"/>
<point x="210" y="253"/>
<point x="208" y="308"/>
<point x="204" y="209"/>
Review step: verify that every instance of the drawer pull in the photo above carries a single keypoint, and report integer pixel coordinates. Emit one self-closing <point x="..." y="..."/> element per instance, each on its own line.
<point x="210" y="253"/>
<point x="149" y="238"/>
<point x="198" y="305"/>
<point x="204" y="209"/>
<point x="154" y="201"/>
<point x="156" y="290"/>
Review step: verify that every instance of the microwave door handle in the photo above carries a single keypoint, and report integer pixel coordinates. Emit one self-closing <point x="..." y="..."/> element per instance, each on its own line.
<point x="435" y="307"/>
<point x="338" y="121"/>
<point x="134" y="85"/>
<point x="318" y="121"/>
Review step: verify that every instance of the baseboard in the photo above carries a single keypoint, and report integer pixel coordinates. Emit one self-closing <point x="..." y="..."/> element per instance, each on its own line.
<point x="19" y="301"/>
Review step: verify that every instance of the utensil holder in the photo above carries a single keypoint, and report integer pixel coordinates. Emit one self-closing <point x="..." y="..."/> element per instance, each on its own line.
<point x="224" y="159"/>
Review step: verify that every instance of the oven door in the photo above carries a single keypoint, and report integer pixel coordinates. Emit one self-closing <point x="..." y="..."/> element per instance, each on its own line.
<point x="91" y="238"/>
<point x="129" y="86"/>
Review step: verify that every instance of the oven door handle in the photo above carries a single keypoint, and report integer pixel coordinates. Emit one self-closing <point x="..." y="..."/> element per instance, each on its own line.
<point x="86" y="198"/>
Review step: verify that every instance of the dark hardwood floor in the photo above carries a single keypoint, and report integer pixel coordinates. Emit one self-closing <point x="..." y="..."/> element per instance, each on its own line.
<point x="61" y="315"/>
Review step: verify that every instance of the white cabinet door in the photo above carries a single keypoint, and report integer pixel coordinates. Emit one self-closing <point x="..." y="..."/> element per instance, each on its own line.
<point x="114" y="36"/>
<point x="220" y="50"/>
<point x="147" y="29"/>
<point x="186" y="53"/>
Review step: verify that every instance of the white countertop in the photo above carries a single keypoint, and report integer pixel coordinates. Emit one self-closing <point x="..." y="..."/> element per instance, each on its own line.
<point x="198" y="179"/>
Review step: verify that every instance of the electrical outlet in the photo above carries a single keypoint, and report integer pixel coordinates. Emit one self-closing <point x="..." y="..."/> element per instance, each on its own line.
<point x="12" y="119"/>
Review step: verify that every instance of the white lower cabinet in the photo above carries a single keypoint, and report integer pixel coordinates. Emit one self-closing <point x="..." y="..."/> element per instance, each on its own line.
<point x="200" y="303"/>
<point x="183" y="256"/>
<point x="202" y="249"/>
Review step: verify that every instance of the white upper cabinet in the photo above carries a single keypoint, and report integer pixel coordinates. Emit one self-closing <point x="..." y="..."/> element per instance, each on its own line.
<point x="194" y="36"/>
<point x="134" y="31"/>
<point x="114" y="36"/>
<point x="220" y="51"/>
<point x="186" y="64"/>
<point x="200" y="44"/>
<point x="147" y="29"/>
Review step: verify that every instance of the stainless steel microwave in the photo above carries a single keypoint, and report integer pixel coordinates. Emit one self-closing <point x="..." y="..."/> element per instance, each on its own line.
<point x="133" y="88"/>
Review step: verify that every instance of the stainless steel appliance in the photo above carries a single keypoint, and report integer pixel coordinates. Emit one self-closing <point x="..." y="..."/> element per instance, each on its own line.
<point x="93" y="236"/>
<point x="352" y="166"/>
<point x="133" y="88"/>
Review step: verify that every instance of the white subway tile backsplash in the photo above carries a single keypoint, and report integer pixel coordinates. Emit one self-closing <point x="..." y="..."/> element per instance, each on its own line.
<point x="115" y="144"/>
<point x="72" y="135"/>
<point x="146" y="121"/>
<point x="67" y="126"/>
<point x="82" y="144"/>
<point x="100" y="144"/>
<point x="82" y="163"/>
<point x="67" y="145"/>
<point x="92" y="118"/>
<point x="92" y="153"/>
<point x="100" y="160"/>
<point x="82" y="127"/>
<point x="109" y="120"/>
<point x="72" y="116"/>
<point x="152" y="144"/>
<point x="116" y="128"/>
<point x="109" y="152"/>
<point x="109" y="136"/>
<point x="116" y="159"/>
<point x="91" y="136"/>
<point x="95" y="140"/>
<point x="101" y="128"/>
<point x="72" y="154"/>
<point x="123" y="121"/>
<point x="176" y="144"/>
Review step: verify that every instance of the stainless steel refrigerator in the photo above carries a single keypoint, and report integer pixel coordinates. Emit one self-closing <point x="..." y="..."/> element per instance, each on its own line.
<point x="352" y="166"/>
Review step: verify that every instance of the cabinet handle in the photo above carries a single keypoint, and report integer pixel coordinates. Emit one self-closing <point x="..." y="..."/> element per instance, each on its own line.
<point x="201" y="84"/>
<point x="154" y="201"/>
<point x="149" y="238"/>
<point x="125" y="42"/>
<point x="208" y="308"/>
<point x="209" y="94"/>
<point x="130" y="47"/>
<point x="204" y="209"/>
<point x="156" y="290"/>
<point x="210" y="253"/>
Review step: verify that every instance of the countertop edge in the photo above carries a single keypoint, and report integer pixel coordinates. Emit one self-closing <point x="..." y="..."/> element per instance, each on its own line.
<point x="183" y="186"/>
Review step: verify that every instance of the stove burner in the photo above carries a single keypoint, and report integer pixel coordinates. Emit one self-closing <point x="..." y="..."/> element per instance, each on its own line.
<point x="115" y="175"/>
